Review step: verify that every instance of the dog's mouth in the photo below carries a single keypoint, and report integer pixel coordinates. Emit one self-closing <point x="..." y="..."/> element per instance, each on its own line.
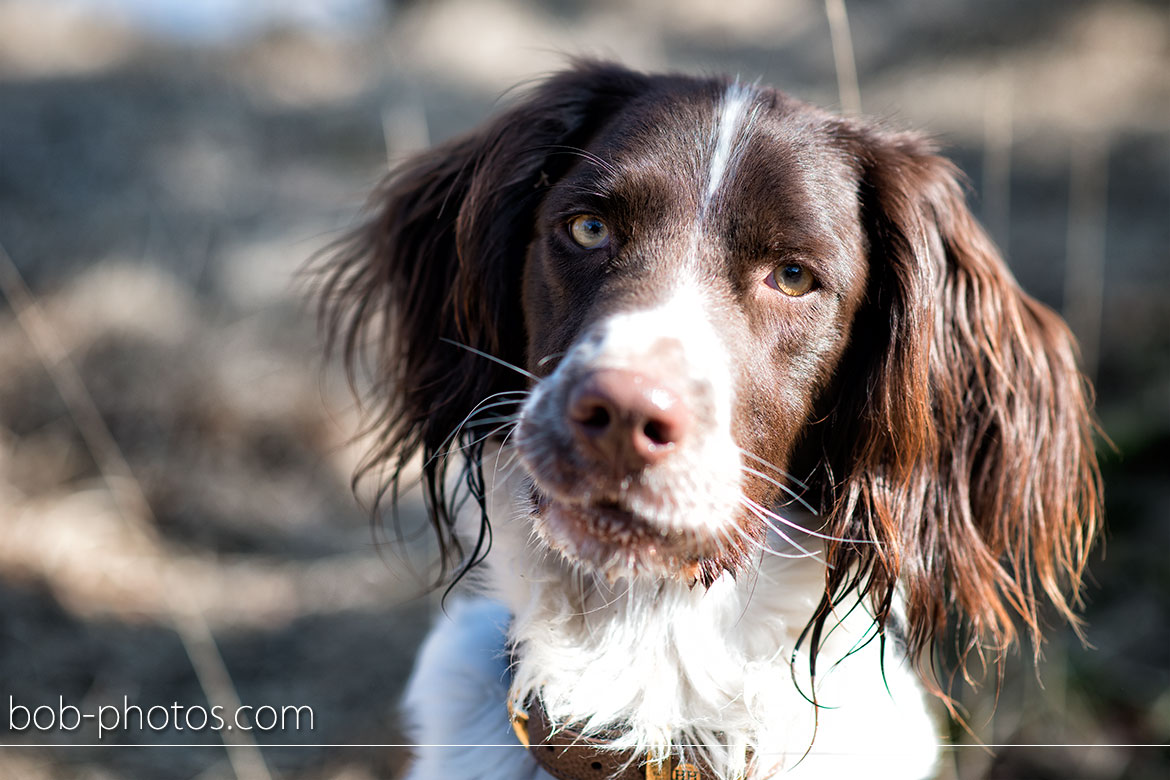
<point x="609" y="537"/>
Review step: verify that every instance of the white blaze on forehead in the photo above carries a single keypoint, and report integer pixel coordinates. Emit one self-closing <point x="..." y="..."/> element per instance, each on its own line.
<point x="732" y="120"/>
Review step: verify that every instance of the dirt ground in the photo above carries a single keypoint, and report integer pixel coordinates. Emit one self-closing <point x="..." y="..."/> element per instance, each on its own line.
<point x="163" y="183"/>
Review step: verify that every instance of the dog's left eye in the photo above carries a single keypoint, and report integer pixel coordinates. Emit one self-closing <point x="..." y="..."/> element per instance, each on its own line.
<point x="791" y="279"/>
<point x="589" y="231"/>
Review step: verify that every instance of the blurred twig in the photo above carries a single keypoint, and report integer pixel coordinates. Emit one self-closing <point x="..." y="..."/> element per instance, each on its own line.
<point x="998" y="93"/>
<point x="847" y="88"/>
<point x="404" y="129"/>
<point x="130" y="500"/>
<point x="1084" y="276"/>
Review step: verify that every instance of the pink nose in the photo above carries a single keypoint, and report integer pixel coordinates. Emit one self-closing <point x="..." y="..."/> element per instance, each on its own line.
<point x="626" y="418"/>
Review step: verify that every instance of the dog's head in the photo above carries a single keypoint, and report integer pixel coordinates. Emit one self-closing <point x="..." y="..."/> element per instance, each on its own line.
<point x="673" y="294"/>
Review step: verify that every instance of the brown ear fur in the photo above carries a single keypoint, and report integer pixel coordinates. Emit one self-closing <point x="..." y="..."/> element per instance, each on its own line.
<point x="440" y="262"/>
<point x="963" y="461"/>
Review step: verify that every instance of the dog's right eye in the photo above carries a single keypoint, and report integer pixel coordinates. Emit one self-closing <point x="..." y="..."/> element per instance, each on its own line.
<point x="589" y="231"/>
<point x="791" y="279"/>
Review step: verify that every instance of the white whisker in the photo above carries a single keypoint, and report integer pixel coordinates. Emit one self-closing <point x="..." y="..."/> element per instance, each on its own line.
<point x="799" y="527"/>
<point x="491" y="421"/>
<point x="493" y="358"/>
<point x="766" y="550"/>
<point x="479" y="407"/>
<point x="485" y="437"/>
<point x="763" y="514"/>
<point x="795" y="497"/>
<point x="787" y="475"/>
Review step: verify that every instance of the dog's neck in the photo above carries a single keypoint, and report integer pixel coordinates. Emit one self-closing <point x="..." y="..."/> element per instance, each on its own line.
<point x="665" y="663"/>
<point x="671" y="664"/>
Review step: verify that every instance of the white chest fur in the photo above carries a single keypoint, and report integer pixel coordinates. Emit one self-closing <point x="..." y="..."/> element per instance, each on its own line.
<point x="714" y="667"/>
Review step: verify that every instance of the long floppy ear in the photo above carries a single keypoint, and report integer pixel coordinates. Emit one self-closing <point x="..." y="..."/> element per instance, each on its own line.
<point x="965" y="464"/>
<point x="439" y="265"/>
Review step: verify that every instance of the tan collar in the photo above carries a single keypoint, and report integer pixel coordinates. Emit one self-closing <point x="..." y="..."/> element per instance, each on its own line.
<point x="567" y="755"/>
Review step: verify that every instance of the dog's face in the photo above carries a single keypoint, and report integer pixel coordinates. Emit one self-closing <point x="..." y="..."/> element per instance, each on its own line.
<point x="692" y="278"/>
<point x="678" y="291"/>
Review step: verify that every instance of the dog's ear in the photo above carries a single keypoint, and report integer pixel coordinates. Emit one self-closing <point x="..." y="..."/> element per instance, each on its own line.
<point x="425" y="289"/>
<point x="964" y="455"/>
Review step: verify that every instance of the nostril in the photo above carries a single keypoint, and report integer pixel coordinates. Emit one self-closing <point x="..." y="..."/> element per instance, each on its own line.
<point x="658" y="433"/>
<point x="594" y="416"/>
<point x="627" y="419"/>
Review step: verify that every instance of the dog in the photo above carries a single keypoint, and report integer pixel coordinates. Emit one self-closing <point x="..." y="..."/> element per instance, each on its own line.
<point x="728" y="411"/>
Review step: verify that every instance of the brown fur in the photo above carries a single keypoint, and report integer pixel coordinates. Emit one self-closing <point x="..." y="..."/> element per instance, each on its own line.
<point x="968" y="453"/>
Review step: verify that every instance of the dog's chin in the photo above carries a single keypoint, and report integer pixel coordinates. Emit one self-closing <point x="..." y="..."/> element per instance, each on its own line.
<point x="615" y="542"/>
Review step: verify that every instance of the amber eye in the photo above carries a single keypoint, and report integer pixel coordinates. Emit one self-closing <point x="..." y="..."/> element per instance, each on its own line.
<point x="589" y="231"/>
<point x="792" y="280"/>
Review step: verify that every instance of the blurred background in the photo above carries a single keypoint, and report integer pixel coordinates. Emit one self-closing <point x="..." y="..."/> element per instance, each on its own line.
<point x="176" y="521"/>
